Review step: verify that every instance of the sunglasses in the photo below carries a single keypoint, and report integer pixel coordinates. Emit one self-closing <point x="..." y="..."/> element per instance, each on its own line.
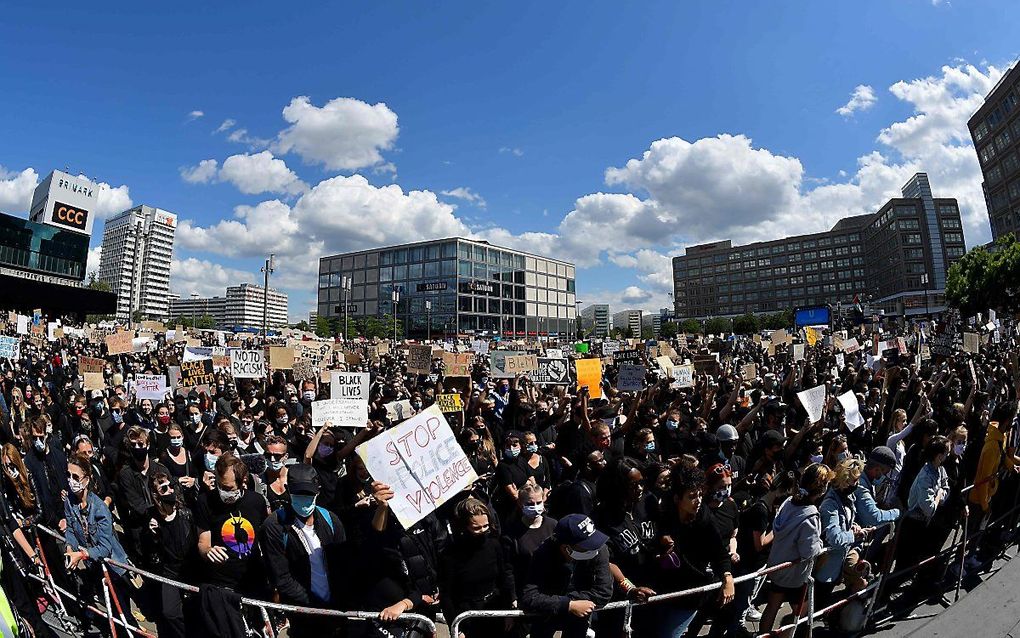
<point x="75" y="477"/>
<point x="275" y="457"/>
<point x="163" y="488"/>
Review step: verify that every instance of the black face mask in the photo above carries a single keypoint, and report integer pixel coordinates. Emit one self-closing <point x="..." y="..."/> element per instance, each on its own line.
<point x="168" y="499"/>
<point x="139" y="453"/>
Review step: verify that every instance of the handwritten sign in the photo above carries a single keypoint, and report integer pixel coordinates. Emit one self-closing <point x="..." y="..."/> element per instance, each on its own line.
<point x="419" y="359"/>
<point x="813" y="401"/>
<point x="589" y="374"/>
<point x="683" y="376"/>
<point x="150" y="386"/>
<point x="197" y="372"/>
<point x="347" y="413"/>
<point x="497" y="362"/>
<point x="119" y="342"/>
<point x="521" y="364"/>
<point x="450" y="403"/>
<point x="422" y="462"/>
<point x="10" y="348"/>
<point x="851" y="345"/>
<point x="313" y="351"/>
<point x="632" y="378"/>
<point x="457" y="365"/>
<point x="397" y="411"/>
<point x="971" y="342"/>
<point x="748" y="371"/>
<point x="94" y="381"/>
<point x="851" y="410"/>
<point x="248" y="364"/>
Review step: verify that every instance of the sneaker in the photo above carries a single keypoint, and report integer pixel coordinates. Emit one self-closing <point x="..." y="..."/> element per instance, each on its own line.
<point x="753" y="615"/>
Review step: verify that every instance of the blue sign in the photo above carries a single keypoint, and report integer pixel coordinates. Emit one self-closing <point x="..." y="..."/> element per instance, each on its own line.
<point x="814" y="316"/>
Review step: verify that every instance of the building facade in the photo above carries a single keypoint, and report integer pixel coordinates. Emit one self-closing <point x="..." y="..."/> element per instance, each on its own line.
<point x="474" y="288"/>
<point x="137" y="248"/>
<point x="244" y="307"/>
<point x="628" y="320"/>
<point x="995" y="129"/>
<point x="194" y="308"/>
<point x="893" y="260"/>
<point x="596" y="319"/>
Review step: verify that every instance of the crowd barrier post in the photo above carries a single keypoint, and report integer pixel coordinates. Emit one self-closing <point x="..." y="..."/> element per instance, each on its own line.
<point x="963" y="554"/>
<point x="109" y="611"/>
<point x="270" y="631"/>
<point x="48" y="582"/>
<point x="810" y="598"/>
<point x="628" y="617"/>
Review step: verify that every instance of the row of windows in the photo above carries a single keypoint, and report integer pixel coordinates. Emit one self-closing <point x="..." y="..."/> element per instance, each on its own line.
<point x="777" y="249"/>
<point x="496" y="259"/>
<point x="998" y="114"/>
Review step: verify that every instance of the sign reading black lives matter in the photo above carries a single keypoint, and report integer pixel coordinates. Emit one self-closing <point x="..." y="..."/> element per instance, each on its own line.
<point x="627" y="356"/>
<point x="551" y="371"/>
<point x="197" y="372"/>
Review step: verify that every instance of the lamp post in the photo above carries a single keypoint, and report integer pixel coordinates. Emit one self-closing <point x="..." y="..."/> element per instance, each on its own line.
<point x="396" y="300"/>
<point x="924" y="280"/>
<point x="428" y="320"/>
<point x="577" y="319"/>
<point x="194" y="310"/>
<point x="346" y="285"/>
<point x="267" y="269"/>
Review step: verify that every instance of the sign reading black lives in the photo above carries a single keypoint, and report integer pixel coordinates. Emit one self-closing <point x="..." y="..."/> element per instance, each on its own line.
<point x="67" y="215"/>
<point x="551" y="371"/>
<point x="197" y="372"/>
<point x="627" y="356"/>
<point x="430" y="286"/>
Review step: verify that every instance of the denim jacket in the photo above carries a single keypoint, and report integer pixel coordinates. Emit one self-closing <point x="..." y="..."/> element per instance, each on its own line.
<point x="924" y="492"/>
<point x="838" y="516"/>
<point x="869" y="514"/>
<point x="92" y="530"/>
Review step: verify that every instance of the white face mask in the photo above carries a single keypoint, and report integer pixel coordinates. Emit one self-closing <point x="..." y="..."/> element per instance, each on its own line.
<point x="959" y="449"/>
<point x="75" y="486"/>
<point x="229" y="497"/>
<point x="576" y="555"/>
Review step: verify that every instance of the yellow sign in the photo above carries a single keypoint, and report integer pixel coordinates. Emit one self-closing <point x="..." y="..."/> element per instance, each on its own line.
<point x="589" y="373"/>
<point x="450" y="403"/>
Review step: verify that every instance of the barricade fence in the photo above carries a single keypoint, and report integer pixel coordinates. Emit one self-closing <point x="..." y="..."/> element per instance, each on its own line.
<point x="115" y="614"/>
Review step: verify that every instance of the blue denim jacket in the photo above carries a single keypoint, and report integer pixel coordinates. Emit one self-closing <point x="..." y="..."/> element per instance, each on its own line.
<point x="838" y="516"/>
<point x="924" y="492"/>
<point x="99" y="541"/>
<point x="869" y="514"/>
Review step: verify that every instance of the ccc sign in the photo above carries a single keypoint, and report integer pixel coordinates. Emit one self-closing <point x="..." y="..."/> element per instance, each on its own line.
<point x="66" y="215"/>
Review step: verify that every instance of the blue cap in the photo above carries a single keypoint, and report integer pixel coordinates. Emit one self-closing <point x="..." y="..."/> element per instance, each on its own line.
<point x="578" y="531"/>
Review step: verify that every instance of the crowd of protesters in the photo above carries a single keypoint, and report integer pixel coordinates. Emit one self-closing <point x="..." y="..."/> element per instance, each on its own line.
<point x="584" y="496"/>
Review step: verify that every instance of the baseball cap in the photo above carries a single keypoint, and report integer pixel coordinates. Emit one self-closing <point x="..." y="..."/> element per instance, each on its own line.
<point x="303" y="479"/>
<point x="727" y="432"/>
<point x="882" y="455"/>
<point x="772" y="437"/>
<point x="578" y="531"/>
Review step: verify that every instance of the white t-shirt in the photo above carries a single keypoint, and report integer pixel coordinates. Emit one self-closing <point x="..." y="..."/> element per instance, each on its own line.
<point x="320" y="581"/>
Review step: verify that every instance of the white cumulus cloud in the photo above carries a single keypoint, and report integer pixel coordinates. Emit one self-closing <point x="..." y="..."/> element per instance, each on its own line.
<point x="343" y="134"/>
<point x="203" y="173"/>
<point x="260" y="173"/>
<point x="204" y="278"/>
<point x="194" y="115"/>
<point x="466" y="194"/>
<point x="862" y="99"/>
<point x="16" y="189"/>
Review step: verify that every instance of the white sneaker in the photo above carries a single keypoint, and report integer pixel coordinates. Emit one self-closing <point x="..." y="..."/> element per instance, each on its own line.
<point x="753" y="615"/>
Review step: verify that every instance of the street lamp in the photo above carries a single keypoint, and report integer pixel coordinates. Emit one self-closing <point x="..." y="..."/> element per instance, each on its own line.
<point x="346" y="285"/>
<point x="577" y="318"/>
<point x="396" y="300"/>
<point x="194" y="310"/>
<point x="428" y="319"/>
<point x="924" y="280"/>
<point x="267" y="269"/>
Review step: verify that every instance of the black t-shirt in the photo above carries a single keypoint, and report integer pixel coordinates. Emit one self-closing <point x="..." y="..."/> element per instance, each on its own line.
<point x="756" y="518"/>
<point x="632" y="539"/>
<point x="235" y="527"/>
<point x="724" y="519"/>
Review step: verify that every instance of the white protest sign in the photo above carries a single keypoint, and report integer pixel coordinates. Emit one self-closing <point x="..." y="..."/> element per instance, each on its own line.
<point x="345" y="413"/>
<point x="247" y="364"/>
<point x="813" y="401"/>
<point x="480" y="347"/>
<point x="351" y="390"/>
<point x="10" y="348"/>
<point x="22" y="325"/>
<point x="554" y="353"/>
<point x="683" y="376"/>
<point x="851" y="345"/>
<point x="150" y="386"/>
<point x="632" y="378"/>
<point x="851" y="410"/>
<point x="421" y="461"/>
<point x="397" y="411"/>
<point x="798" y="352"/>
<point x="840" y="360"/>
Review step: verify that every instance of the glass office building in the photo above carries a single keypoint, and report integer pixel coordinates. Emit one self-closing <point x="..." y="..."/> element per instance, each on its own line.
<point x="43" y="249"/>
<point x="474" y="288"/>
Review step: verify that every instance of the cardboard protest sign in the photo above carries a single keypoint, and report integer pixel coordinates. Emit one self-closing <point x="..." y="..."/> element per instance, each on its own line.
<point x="798" y="352"/>
<point x="457" y="365"/>
<point x="10" y="348"/>
<point x="450" y="403"/>
<point x="551" y="372"/>
<point x="554" y="353"/>
<point x="91" y="364"/>
<point x="119" y="342"/>
<point x="813" y="401"/>
<point x="706" y="364"/>
<point x="589" y="374"/>
<point x="632" y="378"/>
<point x="153" y="326"/>
<point x="220" y="359"/>
<point x="197" y="372"/>
<point x="314" y="351"/>
<point x="94" y="381"/>
<point x="683" y="376"/>
<point x="971" y="342"/>
<point x="397" y="411"/>
<point x="851" y="410"/>
<point x="347" y="413"/>
<point x="665" y="363"/>
<point x="521" y="364"/>
<point x="770" y="349"/>
<point x="248" y="364"/>
<point x="353" y="358"/>
<point x="422" y="462"/>
<point x="779" y="337"/>
<point x="150" y="386"/>
<point x="304" y="369"/>
<point x="281" y="358"/>
<point x="748" y="371"/>
<point x="628" y="356"/>
<point x="497" y="362"/>
<point x="419" y="359"/>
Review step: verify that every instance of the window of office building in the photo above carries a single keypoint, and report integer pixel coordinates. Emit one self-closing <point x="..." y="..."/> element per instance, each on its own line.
<point x="954" y="238"/>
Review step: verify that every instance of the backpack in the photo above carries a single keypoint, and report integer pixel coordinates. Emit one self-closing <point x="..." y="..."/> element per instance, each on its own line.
<point x="281" y="515"/>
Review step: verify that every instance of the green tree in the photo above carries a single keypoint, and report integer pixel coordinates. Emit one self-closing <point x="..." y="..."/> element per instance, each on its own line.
<point x="302" y="325"/>
<point x="980" y="279"/>
<point x="647" y="332"/>
<point x="668" y="330"/>
<point x="778" y="320"/>
<point x="205" y="322"/>
<point x="690" y="326"/>
<point x="324" y="327"/>
<point x="746" y="324"/>
<point x="718" y="325"/>
<point x="95" y="284"/>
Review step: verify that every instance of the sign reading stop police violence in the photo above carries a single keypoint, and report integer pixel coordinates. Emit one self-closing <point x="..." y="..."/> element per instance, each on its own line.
<point x="423" y="463"/>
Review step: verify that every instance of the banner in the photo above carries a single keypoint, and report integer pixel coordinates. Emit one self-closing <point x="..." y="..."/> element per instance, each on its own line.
<point x="589" y="373"/>
<point x="119" y="342"/>
<point x="813" y="401"/>
<point x="197" y="372"/>
<point x="450" y="403"/>
<point x="551" y="371"/>
<point x="248" y="364"/>
<point x="422" y="462"/>
<point x="632" y="378"/>
<point x="10" y="348"/>
<point x="150" y="386"/>
<point x="419" y="359"/>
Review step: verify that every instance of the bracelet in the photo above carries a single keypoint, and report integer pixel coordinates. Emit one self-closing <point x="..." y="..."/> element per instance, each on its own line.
<point x="626" y="585"/>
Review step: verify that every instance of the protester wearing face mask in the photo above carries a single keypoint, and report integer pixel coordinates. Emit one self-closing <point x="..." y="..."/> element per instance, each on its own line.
<point x="173" y="544"/>
<point x="475" y="572"/>
<point x="301" y="545"/>
<point x="214" y="445"/>
<point x="880" y="464"/>
<point x="929" y="493"/>
<point x="228" y="518"/>
<point x="578" y="496"/>
<point x="527" y="530"/>
<point x="276" y="473"/>
<point x="179" y="462"/>
<point x="134" y="505"/>
<point x="843" y="534"/>
<point x="569" y="579"/>
<point x="194" y="427"/>
<point x="247" y="442"/>
<point x="510" y="474"/>
<point x="101" y="485"/>
<point x="90" y="539"/>
<point x="47" y="464"/>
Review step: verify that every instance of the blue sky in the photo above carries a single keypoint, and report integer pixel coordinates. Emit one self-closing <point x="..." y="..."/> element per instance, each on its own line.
<point x="535" y="108"/>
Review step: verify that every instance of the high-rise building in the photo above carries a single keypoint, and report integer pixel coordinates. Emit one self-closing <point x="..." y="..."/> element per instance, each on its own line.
<point x="652" y="321"/>
<point x="628" y="320"/>
<point x="194" y="308"/>
<point x="245" y="304"/>
<point x="137" y="247"/>
<point x="474" y="288"/>
<point x="995" y="129"/>
<point x="895" y="259"/>
<point x="595" y="318"/>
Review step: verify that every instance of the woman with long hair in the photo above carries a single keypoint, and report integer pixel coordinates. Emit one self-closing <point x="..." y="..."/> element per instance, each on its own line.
<point x="173" y="545"/>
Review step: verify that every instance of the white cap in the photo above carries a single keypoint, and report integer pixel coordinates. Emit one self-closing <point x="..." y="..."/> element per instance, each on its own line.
<point x="727" y="433"/>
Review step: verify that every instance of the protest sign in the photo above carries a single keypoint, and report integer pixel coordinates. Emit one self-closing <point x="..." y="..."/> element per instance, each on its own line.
<point x="665" y="363"/>
<point x="281" y="358"/>
<point x="520" y="364"/>
<point x="748" y="371"/>
<point x="779" y="337"/>
<point x="22" y="325"/>
<point x="706" y="364"/>
<point x="632" y="377"/>
<point x="457" y="365"/>
<point x="798" y="352"/>
<point x="683" y="376"/>
<point x="851" y="410"/>
<point x="840" y="360"/>
<point x="91" y="364"/>
<point x="813" y="401"/>
<point x="941" y="345"/>
<point x="851" y="345"/>
<point x="971" y="342"/>
<point x="353" y="358"/>
<point x="248" y="364"/>
<point x="419" y="359"/>
<point x="589" y="374"/>
<point x="220" y="359"/>
<point x="422" y="463"/>
<point x="551" y="371"/>
<point x="197" y="372"/>
<point x="150" y="386"/>
<point x="346" y="413"/>
<point x="349" y="385"/>
<point x="497" y="362"/>
<point x="610" y="347"/>
<point x="119" y="342"/>
<point x="581" y="348"/>
<point x="94" y="381"/>
<point x="10" y="348"/>
<point x="304" y="369"/>
<point x="628" y="356"/>
<point x="314" y="351"/>
<point x="480" y="347"/>
<point x="554" y="353"/>
<point x="397" y="411"/>
<point x="153" y="326"/>
<point x="449" y="403"/>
